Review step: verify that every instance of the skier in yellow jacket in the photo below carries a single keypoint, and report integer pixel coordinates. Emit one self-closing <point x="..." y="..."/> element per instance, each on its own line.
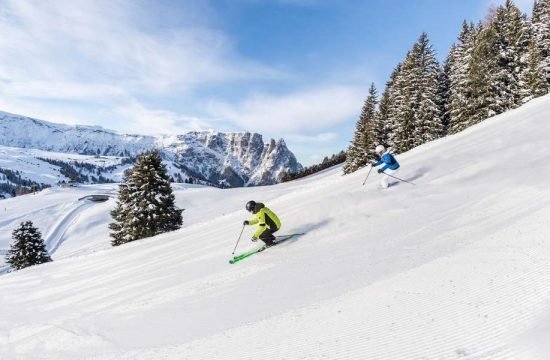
<point x="268" y="222"/>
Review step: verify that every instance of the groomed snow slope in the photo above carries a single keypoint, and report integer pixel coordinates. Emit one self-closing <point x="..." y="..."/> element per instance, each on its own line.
<point x="457" y="267"/>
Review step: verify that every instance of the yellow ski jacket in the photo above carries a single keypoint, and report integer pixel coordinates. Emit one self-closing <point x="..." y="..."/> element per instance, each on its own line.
<point x="265" y="218"/>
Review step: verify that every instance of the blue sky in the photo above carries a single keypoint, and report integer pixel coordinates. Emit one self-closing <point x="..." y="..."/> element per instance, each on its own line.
<point x="297" y="69"/>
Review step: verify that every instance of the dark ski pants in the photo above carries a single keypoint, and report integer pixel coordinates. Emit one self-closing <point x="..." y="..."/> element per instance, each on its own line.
<point x="267" y="236"/>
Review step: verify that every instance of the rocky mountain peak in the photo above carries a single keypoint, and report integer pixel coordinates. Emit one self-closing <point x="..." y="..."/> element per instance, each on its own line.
<point x="228" y="159"/>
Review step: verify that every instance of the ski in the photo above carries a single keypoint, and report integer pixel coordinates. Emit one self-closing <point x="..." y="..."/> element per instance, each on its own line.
<point x="278" y="239"/>
<point x="247" y="254"/>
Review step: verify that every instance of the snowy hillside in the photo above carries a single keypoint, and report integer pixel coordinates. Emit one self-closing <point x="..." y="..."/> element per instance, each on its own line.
<point x="232" y="159"/>
<point x="456" y="267"/>
<point x="39" y="166"/>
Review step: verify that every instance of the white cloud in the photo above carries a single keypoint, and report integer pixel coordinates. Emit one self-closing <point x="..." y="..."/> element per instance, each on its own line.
<point x="60" y="90"/>
<point x="111" y="63"/>
<point x="131" y="116"/>
<point x="110" y="51"/>
<point x="51" y="112"/>
<point x="299" y="112"/>
<point x="154" y="121"/>
<point x="317" y="138"/>
<point x="102" y="42"/>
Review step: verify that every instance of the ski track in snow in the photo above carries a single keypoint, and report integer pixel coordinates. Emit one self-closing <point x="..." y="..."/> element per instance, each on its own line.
<point x="64" y="214"/>
<point x="457" y="267"/>
<point x="55" y="235"/>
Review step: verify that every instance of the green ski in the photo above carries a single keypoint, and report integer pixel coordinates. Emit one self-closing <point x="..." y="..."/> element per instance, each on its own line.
<point x="247" y="254"/>
<point x="278" y="240"/>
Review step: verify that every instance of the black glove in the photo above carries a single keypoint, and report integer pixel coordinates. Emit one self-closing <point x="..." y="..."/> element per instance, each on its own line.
<point x="380" y="171"/>
<point x="245" y="222"/>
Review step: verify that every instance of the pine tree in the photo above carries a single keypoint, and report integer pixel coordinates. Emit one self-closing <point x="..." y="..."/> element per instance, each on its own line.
<point x="460" y="93"/>
<point x="535" y="77"/>
<point x="370" y="118"/>
<point x="28" y="247"/>
<point x="381" y="128"/>
<point x="512" y="48"/>
<point x="445" y="92"/>
<point x="389" y="110"/>
<point x="540" y="24"/>
<point x="428" y="125"/>
<point x="401" y="114"/>
<point x="146" y="203"/>
<point x="415" y="113"/>
<point x="355" y="152"/>
<point x="482" y="77"/>
<point x="360" y="151"/>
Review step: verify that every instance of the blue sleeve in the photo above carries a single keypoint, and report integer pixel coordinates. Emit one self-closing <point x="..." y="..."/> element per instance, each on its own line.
<point x="379" y="162"/>
<point x="387" y="159"/>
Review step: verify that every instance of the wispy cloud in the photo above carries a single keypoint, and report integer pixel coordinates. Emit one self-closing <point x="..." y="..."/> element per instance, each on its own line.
<point x="307" y="110"/>
<point x="111" y="53"/>
<point x="157" y="121"/>
<point x="95" y="42"/>
<point x="317" y="138"/>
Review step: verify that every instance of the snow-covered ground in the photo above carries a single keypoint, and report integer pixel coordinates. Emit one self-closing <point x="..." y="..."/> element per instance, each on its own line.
<point x="457" y="267"/>
<point x="30" y="165"/>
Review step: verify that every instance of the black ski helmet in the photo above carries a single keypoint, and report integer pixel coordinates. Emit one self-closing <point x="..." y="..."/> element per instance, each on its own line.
<point x="250" y="206"/>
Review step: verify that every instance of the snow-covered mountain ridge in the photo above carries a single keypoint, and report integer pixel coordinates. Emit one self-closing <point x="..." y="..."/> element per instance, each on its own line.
<point x="231" y="159"/>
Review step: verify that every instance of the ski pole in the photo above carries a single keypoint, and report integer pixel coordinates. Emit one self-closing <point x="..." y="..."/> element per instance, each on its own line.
<point x="396" y="178"/>
<point x="238" y="240"/>
<point x="364" y="182"/>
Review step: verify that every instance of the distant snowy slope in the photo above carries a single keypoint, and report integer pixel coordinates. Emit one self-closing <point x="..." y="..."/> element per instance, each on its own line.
<point x="456" y="267"/>
<point x="25" y="132"/>
<point x="32" y="164"/>
<point x="232" y="159"/>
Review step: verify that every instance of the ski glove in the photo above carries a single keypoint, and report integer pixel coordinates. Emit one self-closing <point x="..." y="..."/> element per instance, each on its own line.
<point x="380" y="171"/>
<point x="245" y="222"/>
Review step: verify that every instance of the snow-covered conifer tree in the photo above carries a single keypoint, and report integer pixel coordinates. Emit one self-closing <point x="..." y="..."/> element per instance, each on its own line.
<point x="512" y="31"/>
<point x="427" y="72"/>
<point x="401" y="113"/>
<point x="381" y="128"/>
<point x="483" y="72"/>
<point x="146" y="203"/>
<point x="459" y="77"/>
<point x="360" y="150"/>
<point x="540" y="23"/>
<point x="415" y="114"/>
<point x="28" y="247"/>
<point x="445" y="92"/>
<point x="388" y="110"/>
<point x="535" y="75"/>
